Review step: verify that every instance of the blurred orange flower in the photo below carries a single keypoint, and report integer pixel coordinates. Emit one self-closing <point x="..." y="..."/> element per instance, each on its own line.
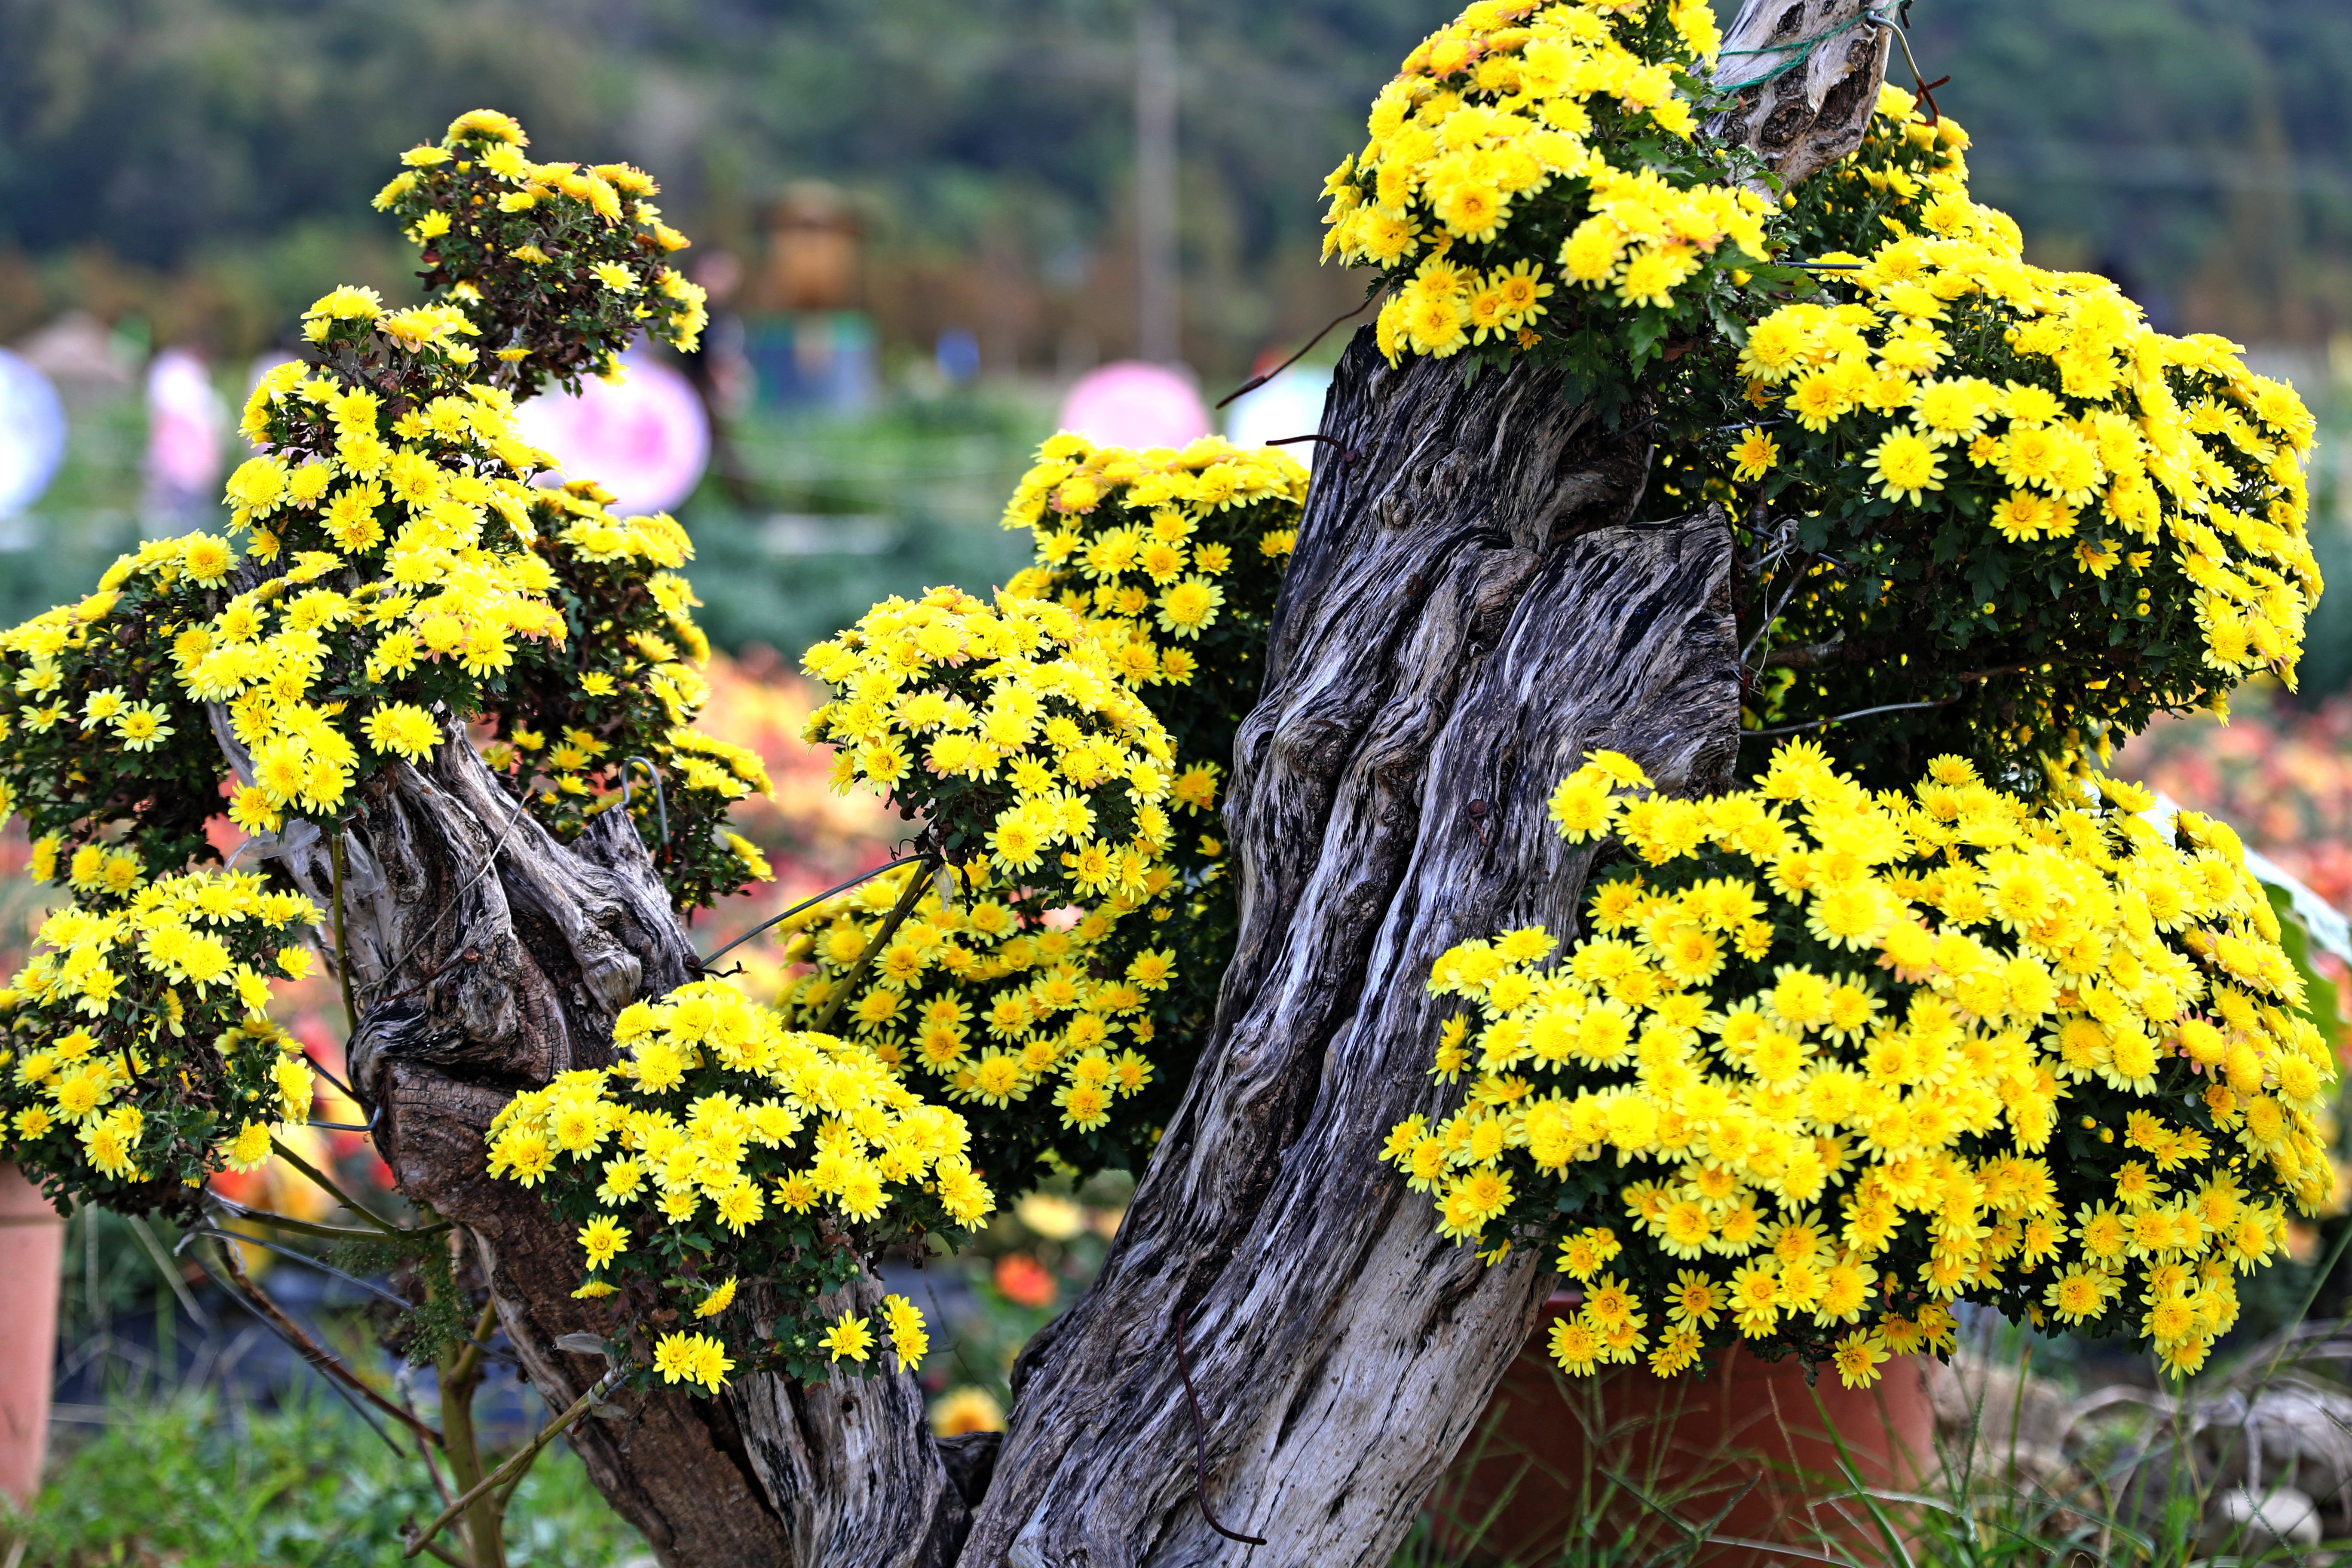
<point x="1023" y="1279"/>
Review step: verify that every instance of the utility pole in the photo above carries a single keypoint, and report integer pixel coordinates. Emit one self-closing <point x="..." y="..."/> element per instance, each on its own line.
<point x="1157" y="303"/>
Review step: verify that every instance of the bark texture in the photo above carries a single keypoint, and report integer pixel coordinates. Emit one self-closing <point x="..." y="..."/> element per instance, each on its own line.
<point x="1468" y="611"/>
<point x="1815" y="111"/>
<point x="489" y="957"/>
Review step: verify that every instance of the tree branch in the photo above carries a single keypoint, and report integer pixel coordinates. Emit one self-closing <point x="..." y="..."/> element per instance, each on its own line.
<point x="310" y="1349"/>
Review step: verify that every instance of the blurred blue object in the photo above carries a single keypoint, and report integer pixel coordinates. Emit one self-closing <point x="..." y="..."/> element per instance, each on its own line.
<point x="32" y="434"/>
<point x="816" y="359"/>
<point x="958" y="356"/>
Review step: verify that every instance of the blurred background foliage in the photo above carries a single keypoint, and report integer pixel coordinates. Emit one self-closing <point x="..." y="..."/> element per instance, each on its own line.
<point x="208" y="161"/>
<point x="211" y="160"/>
<point x="2193" y="150"/>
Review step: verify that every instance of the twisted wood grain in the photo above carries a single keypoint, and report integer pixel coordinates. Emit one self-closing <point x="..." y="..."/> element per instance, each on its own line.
<point x="1469" y="613"/>
<point x="496" y="958"/>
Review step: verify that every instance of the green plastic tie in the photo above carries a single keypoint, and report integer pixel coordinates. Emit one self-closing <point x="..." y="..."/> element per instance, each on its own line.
<point x="1799" y="49"/>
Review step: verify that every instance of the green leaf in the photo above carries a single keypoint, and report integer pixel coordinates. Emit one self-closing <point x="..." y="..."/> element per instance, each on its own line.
<point x="2318" y="991"/>
<point x="1645" y="332"/>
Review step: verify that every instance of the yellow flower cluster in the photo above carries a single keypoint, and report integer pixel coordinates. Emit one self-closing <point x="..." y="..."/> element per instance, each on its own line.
<point x="1162" y="566"/>
<point x="397" y="560"/>
<point x="2153" y="478"/>
<point x="1172" y="558"/>
<point x="524" y="252"/>
<point x="702" y="1359"/>
<point x="591" y="719"/>
<point x="1514" y="122"/>
<point x="457" y="561"/>
<point x="1143" y="544"/>
<point x="722" y="1120"/>
<point x="699" y="1359"/>
<point x="989" y="1002"/>
<point x="1831" y="1061"/>
<point x="2114" y="460"/>
<point x="1014" y="715"/>
<point x="99" y="1070"/>
<point x="436" y="502"/>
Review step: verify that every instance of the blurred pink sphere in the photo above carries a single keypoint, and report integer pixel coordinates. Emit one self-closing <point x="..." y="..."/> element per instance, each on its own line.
<point x="1130" y="403"/>
<point x="647" y="440"/>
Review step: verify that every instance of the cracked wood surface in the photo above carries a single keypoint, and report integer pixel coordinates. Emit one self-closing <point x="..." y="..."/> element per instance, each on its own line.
<point x="1468" y="613"/>
<point x="489" y="957"/>
<point x="1809" y="116"/>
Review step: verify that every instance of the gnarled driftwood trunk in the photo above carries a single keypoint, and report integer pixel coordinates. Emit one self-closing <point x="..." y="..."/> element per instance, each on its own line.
<point x="1468" y="611"/>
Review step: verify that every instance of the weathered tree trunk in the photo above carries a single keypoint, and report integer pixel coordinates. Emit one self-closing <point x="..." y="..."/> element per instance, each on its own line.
<point x="1468" y="611"/>
<point x="487" y="956"/>
<point x="1822" y="63"/>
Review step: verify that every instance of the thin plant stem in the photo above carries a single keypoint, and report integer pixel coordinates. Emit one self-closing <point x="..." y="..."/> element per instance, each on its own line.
<point x="1841" y="718"/>
<point x="1764" y="631"/>
<point x="469" y="1359"/>
<point x="807" y="904"/>
<point x="304" y="1227"/>
<point x="461" y="1376"/>
<point x="504" y="1495"/>
<point x="308" y="1261"/>
<point x="288" y="1340"/>
<point x="425" y="1450"/>
<point x="342" y="938"/>
<point x="881" y="939"/>
<point x="342" y="1196"/>
<point x="522" y="1461"/>
<point x="169" y="1271"/>
<point x="310" y="1349"/>
<point x="435" y="1550"/>
<point x="1257" y="381"/>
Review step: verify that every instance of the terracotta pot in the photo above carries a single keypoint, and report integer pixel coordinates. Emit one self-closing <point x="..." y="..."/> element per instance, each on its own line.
<point x="32" y="1245"/>
<point x="1557" y="1459"/>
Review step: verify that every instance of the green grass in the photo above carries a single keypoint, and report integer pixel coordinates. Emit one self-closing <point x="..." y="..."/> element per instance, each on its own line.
<point x="904" y="497"/>
<point x="198" y="1483"/>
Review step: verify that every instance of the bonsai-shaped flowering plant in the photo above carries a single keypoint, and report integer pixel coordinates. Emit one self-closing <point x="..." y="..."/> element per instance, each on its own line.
<point x="395" y="578"/>
<point x="1822" y="1056"/>
<point x="1827" y="1061"/>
